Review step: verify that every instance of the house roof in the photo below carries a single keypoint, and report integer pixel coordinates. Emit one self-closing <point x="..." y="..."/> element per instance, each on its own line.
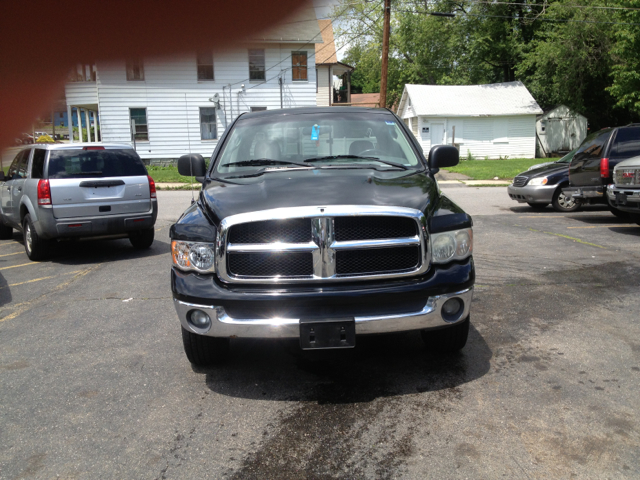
<point x="326" y="51"/>
<point x="365" y="99"/>
<point x="511" y="98"/>
<point x="301" y="26"/>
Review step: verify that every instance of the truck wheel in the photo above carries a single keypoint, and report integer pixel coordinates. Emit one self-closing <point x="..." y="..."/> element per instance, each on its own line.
<point x="538" y="206"/>
<point x="142" y="239"/>
<point x="35" y="247"/>
<point x="6" y="232"/>
<point x="202" y="350"/>
<point x="563" y="203"/>
<point x="447" y="340"/>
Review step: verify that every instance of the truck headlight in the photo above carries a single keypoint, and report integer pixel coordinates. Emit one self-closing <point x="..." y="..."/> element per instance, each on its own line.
<point x="538" y="181"/>
<point x="196" y="256"/>
<point x="454" y="245"/>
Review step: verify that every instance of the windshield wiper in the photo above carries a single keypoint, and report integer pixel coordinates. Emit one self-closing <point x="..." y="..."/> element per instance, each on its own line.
<point x="333" y="157"/>
<point x="261" y="162"/>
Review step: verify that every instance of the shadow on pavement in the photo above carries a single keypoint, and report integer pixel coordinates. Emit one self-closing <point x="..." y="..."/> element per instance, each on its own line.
<point x="526" y="209"/>
<point x="380" y="366"/>
<point x="5" y="293"/>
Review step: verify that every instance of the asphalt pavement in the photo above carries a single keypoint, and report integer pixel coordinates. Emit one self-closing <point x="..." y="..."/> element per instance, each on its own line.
<point x="95" y="384"/>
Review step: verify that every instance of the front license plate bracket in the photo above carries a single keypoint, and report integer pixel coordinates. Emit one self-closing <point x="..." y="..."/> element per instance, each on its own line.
<point x="327" y="333"/>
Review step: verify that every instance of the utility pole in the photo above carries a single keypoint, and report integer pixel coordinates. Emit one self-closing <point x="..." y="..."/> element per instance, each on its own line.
<point x="385" y="53"/>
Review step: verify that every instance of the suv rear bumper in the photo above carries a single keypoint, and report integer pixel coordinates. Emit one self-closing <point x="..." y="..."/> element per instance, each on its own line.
<point x="276" y="312"/>
<point x="49" y="227"/>
<point x="592" y="194"/>
<point x="625" y="199"/>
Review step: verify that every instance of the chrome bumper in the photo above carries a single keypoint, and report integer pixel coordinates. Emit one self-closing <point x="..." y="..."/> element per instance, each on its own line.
<point x="222" y="325"/>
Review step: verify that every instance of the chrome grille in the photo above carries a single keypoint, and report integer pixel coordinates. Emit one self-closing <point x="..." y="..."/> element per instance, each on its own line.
<point x="520" y="181"/>
<point x="627" y="176"/>
<point x="306" y="244"/>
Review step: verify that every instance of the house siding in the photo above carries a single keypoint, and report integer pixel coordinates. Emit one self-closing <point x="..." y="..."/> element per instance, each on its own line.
<point x="484" y="137"/>
<point x="173" y="96"/>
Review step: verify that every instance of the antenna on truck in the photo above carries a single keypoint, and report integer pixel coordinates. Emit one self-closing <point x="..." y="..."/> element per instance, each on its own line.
<point x="189" y="142"/>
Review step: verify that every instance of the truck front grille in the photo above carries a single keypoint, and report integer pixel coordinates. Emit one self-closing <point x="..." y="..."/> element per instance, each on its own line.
<point x="321" y="244"/>
<point x="627" y="176"/>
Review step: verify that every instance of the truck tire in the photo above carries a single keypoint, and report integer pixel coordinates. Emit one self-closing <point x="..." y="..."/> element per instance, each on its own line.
<point x="562" y="203"/>
<point x="35" y="247"/>
<point x="142" y="238"/>
<point x="6" y="232"/>
<point x="202" y="350"/>
<point x="447" y="340"/>
<point x="538" y="206"/>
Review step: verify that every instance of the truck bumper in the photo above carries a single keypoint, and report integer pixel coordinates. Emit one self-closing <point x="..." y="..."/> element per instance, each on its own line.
<point x="532" y="193"/>
<point x="49" y="227"/>
<point x="276" y="313"/>
<point x="593" y="194"/>
<point x="625" y="199"/>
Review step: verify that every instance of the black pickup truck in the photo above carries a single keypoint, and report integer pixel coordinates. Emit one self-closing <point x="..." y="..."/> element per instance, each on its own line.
<point x="320" y="224"/>
<point x="591" y="169"/>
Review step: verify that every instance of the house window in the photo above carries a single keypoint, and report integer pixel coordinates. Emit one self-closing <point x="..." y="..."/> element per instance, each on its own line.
<point x="139" y="123"/>
<point x="256" y="65"/>
<point x="258" y="109"/>
<point x="208" y="128"/>
<point x="135" y="70"/>
<point x="299" y="66"/>
<point x="501" y="130"/>
<point x="205" y="66"/>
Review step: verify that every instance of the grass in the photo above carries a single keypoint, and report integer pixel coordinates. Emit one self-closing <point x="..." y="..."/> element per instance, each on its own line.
<point x="504" y="169"/>
<point x="167" y="175"/>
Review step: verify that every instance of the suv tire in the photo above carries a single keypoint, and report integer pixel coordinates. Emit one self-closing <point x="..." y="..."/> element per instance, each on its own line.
<point x="6" y="232"/>
<point x="35" y="247"/>
<point x="538" y="206"/>
<point x="202" y="350"/>
<point x="562" y="203"/>
<point x="619" y="213"/>
<point x="447" y="340"/>
<point x="142" y="238"/>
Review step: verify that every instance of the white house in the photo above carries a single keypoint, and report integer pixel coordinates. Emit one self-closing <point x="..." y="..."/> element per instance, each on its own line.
<point x="560" y="130"/>
<point x="328" y="67"/>
<point x="485" y="121"/>
<point x="174" y="105"/>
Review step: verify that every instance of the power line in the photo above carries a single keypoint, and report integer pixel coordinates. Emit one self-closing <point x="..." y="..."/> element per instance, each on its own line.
<point x="490" y="2"/>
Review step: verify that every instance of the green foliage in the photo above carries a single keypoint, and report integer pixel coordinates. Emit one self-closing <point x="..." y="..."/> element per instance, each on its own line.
<point x="489" y="169"/>
<point x="582" y="57"/>
<point x="166" y="175"/>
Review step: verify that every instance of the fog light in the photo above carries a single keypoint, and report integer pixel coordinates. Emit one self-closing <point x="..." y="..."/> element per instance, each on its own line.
<point x="451" y="308"/>
<point x="199" y="320"/>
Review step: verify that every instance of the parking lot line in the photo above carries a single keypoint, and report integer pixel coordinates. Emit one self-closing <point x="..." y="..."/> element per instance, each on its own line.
<point x="8" y="254"/>
<point x="610" y="226"/>
<point x="568" y="238"/>
<point x="21" y="265"/>
<point x="38" y="279"/>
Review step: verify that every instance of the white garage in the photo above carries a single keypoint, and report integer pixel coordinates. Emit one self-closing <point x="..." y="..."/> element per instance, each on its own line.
<point x="485" y="121"/>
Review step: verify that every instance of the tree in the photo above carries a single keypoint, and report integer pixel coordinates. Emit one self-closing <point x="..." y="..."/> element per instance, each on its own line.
<point x="626" y="53"/>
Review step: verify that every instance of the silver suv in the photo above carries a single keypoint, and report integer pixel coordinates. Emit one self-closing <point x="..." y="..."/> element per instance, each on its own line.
<point x="59" y="191"/>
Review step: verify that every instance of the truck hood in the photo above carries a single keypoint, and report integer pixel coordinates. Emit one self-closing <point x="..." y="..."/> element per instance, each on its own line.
<point x="318" y="187"/>
<point x="633" y="162"/>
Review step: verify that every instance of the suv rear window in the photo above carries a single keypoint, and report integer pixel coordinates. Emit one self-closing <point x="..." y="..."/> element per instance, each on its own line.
<point x="626" y="143"/>
<point x="95" y="163"/>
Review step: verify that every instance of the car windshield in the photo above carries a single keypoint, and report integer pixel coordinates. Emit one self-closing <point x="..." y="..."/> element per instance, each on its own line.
<point x="316" y="140"/>
<point x="78" y="163"/>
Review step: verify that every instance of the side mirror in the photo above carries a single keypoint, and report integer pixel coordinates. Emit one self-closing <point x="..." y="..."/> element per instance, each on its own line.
<point x="192" y="165"/>
<point x="443" y="156"/>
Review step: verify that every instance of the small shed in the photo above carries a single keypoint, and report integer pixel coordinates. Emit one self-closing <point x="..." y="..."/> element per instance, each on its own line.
<point x="484" y="121"/>
<point x="560" y="130"/>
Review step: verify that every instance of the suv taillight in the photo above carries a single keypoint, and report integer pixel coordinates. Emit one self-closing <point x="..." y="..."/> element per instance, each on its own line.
<point x="604" y="167"/>
<point x="152" y="187"/>
<point x="44" y="192"/>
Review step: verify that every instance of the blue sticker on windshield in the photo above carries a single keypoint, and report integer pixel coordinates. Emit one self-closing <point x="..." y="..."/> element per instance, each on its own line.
<point x="390" y="123"/>
<point x="315" y="132"/>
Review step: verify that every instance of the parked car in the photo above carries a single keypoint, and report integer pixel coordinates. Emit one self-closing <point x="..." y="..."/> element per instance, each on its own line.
<point x="624" y="193"/>
<point x="591" y="170"/>
<point x="320" y="224"/>
<point x="56" y="191"/>
<point x="543" y="185"/>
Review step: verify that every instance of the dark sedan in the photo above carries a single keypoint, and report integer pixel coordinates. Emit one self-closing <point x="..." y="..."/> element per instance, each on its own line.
<point x="542" y="186"/>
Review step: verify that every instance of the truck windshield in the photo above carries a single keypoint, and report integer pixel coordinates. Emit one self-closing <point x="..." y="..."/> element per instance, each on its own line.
<point x="95" y="163"/>
<point x="316" y="140"/>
